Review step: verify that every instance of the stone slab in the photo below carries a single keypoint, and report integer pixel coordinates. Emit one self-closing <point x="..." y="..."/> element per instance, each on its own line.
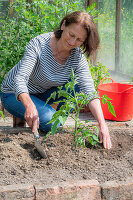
<point x="112" y="190"/>
<point x="14" y="192"/>
<point x="74" y="190"/>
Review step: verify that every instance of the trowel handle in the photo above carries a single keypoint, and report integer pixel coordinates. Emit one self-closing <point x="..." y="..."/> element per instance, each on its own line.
<point x="36" y="134"/>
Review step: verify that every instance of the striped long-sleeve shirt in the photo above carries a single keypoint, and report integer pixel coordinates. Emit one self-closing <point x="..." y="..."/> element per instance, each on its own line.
<point x="38" y="70"/>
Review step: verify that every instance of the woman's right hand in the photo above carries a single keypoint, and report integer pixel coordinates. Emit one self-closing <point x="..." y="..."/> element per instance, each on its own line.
<point x="31" y="113"/>
<point x="31" y="117"/>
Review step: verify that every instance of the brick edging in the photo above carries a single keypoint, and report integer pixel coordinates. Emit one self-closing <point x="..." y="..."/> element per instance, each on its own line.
<point x="17" y="191"/>
<point x="113" y="190"/>
<point x="75" y="190"/>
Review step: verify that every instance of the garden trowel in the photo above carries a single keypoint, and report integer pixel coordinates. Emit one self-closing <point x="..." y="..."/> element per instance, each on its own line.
<point x="38" y="146"/>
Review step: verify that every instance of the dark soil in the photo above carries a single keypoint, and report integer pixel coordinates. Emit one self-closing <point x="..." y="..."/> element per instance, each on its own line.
<point x="21" y="163"/>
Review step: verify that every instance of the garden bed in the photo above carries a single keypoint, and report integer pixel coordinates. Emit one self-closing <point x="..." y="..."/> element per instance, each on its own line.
<point x="20" y="163"/>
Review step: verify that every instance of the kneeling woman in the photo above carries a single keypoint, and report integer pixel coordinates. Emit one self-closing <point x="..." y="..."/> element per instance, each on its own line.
<point x="47" y="64"/>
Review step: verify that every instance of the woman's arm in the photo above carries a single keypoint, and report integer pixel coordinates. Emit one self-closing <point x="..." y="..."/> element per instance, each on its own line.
<point x="86" y="85"/>
<point x="25" y="67"/>
<point x="95" y="108"/>
<point x="31" y="114"/>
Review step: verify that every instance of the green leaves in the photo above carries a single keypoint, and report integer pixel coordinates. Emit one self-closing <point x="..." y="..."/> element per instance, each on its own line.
<point x="98" y="72"/>
<point x="62" y="119"/>
<point x="72" y="100"/>
<point x="111" y="108"/>
<point x="106" y="99"/>
<point x="29" y="20"/>
<point x="87" y="132"/>
<point x="52" y="96"/>
<point x="55" y="126"/>
<point x="2" y="114"/>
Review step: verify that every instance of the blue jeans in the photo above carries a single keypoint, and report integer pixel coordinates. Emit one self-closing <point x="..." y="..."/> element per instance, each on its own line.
<point x="17" y="109"/>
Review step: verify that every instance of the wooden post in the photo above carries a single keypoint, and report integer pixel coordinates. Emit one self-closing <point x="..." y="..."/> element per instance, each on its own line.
<point x="89" y="3"/>
<point x="117" y="34"/>
<point x="11" y="10"/>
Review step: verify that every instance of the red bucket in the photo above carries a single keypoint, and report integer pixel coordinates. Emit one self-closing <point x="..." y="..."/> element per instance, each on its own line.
<point x="122" y="100"/>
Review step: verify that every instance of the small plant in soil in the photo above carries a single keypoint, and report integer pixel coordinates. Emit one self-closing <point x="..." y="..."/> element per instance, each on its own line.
<point x="71" y="100"/>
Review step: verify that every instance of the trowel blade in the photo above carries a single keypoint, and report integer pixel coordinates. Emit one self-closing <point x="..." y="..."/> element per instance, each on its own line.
<point x="40" y="149"/>
<point x="38" y="146"/>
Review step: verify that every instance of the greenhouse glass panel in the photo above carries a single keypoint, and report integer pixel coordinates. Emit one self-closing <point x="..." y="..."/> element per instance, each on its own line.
<point x="107" y="30"/>
<point x="106" y="27"/>
<point x="126" y="42"/>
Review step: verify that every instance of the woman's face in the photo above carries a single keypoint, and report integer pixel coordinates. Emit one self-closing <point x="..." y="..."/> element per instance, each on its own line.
<point x="72" y="36"/>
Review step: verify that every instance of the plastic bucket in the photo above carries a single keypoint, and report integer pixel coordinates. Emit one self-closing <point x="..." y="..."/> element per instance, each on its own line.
<point x="122" y="100"/>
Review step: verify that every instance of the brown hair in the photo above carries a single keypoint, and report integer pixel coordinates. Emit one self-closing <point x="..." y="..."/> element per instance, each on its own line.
<point x="91" y="44"/>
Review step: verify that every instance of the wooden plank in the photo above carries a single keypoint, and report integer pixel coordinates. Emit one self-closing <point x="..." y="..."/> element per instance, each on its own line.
<point x="11" y="10"/>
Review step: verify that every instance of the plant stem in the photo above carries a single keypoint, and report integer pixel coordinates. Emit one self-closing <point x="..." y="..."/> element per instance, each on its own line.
<point x="76" y="123"/>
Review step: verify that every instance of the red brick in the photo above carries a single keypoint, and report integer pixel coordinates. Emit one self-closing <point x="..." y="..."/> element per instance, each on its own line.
<point x="74" y="190"/>
<point x="112" y="190"/>
<point x="19" y="191"/>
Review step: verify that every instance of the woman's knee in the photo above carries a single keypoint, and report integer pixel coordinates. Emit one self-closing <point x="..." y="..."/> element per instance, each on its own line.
<point x="14" y="107"/>
<point x="45" y="118"/>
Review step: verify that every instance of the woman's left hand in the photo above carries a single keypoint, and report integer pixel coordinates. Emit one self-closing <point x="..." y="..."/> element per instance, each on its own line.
<point x="95" y="108"/>
<point x="104" y="136"/>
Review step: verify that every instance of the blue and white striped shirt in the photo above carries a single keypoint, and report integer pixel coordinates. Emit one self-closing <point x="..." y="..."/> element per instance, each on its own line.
<point x="38" y="70"/>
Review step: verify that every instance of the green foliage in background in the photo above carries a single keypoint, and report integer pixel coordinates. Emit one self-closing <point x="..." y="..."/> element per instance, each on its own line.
<point x="106" y="27"/>
<point x="29" y="20"/>
<point x="126" y="48"/>
<point x="98" y="72"/>
<point x="131" y="81"/>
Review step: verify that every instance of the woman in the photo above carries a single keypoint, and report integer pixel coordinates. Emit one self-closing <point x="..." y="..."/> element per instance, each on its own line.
<point x="46" y="65"/>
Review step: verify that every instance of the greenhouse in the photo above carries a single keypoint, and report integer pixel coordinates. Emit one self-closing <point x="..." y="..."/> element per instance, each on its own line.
<point x="66" y="100"/>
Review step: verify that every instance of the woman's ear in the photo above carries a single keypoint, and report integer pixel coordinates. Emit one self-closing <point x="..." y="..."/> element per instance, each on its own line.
<point x="63" y="25"/>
